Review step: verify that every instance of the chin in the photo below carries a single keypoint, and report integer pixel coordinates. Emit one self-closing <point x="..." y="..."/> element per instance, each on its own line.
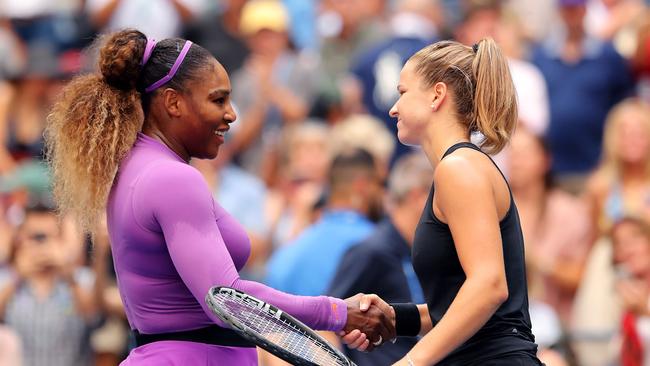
<point x="407" y="140"/>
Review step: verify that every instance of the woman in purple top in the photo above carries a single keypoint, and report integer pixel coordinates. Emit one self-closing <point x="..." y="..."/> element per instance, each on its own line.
<point x="120" y="140"/>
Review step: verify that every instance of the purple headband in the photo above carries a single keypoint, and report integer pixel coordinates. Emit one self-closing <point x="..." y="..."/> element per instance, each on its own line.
<point x="151" y="43"/>
<point x="172" y="72"/>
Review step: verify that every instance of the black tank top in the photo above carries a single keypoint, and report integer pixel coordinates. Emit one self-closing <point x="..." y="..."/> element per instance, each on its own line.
<point x="436" y="263"/>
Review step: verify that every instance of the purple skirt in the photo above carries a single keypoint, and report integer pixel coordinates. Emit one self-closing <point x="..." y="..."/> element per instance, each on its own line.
<point x="180" y="353"/>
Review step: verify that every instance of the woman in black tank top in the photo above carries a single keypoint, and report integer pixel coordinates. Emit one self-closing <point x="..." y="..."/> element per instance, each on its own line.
<point x="468" y="250"/>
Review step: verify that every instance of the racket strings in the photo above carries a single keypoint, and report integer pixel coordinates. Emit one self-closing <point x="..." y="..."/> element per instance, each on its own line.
<point x="282" y="333"/>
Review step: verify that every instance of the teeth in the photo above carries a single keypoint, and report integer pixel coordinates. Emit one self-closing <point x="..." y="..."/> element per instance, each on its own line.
<point x="220" y="133"/>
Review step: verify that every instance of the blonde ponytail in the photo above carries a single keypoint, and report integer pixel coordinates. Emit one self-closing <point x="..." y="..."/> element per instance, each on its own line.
<point x="495" y="99"/>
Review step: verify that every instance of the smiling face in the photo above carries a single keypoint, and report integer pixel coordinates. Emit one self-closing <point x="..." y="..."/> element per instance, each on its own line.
<point x="413" y="108"/>
<point x="208" y="112"/>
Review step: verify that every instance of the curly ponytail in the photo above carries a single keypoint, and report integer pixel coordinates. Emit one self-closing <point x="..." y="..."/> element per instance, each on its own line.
<point x="93" y="125"/>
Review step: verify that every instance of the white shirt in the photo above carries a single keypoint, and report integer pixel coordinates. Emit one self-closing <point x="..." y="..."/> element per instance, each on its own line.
<point x="156" y="18"/>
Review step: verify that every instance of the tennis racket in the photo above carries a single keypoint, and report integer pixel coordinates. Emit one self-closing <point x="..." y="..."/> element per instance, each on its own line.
<point x="272" y="329"/>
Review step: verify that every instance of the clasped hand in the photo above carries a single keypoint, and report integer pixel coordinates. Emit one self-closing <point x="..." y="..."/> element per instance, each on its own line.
<point x="371" y="321"/>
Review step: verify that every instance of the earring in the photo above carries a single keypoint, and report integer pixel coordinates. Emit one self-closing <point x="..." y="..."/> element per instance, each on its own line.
<point x="433" y="106"/>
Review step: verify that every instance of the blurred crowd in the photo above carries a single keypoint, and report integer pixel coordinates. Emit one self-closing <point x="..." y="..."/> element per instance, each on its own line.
<point x="313" y="170"/>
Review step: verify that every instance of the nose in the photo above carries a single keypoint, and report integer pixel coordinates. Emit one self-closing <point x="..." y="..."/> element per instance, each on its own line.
<point x="230" y="115"/>
<point x="393" y="111"/>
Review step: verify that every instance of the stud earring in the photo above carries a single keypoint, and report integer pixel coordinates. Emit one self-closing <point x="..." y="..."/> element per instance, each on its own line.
<point x="433" y="106"/>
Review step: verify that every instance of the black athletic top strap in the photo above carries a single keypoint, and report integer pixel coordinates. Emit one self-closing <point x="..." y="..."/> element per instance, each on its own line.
<point x="470" y="145"/>
<point x="209" y="335"/>
<point x="459" y="145"/>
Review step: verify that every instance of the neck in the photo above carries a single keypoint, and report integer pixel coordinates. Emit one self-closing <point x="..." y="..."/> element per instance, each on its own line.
<point x="151" y="130"/>
<point x="346" y="202"/>
<point x="440" y="136"/>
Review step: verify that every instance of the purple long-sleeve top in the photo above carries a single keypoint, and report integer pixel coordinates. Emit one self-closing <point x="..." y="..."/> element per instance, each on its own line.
<point x="171" y="242"/>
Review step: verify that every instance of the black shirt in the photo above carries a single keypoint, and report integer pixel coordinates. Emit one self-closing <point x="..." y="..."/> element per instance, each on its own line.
<point x="437" y="265"/>
<point x="378" y="265"/>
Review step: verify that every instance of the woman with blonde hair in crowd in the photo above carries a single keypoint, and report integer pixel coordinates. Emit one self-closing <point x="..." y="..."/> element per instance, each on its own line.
<point x="621" y="184"/>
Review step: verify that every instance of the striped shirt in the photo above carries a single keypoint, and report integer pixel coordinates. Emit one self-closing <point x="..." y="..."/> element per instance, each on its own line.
<point x="51" y="330"/>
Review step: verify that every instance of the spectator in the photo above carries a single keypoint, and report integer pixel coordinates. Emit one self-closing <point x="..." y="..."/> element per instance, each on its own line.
<point x="631" y="239"/>
<point x="302" y="176"/>
<point x="381" y="264"/>
<point x="275" y="87"/>
<point x="345" y="30"/>
<point x="354" y="197"/>
<point x="621" y="184"/>
<point x="555" y="225"/>
<point x="585" y="77"/>
<point x="47" y="299"/>
<point x="368" y="133"/>
<point x="413" y="25"/>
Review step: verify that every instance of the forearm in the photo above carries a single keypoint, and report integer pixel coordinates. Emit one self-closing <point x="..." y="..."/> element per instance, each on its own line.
<point x="469" y="311"/>
<point x="318" y="312"/>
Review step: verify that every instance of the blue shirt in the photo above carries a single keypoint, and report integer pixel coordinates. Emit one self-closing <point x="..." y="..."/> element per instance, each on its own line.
<point x="381" y="264"/>
<point x="306" y="266"/>
<point x="580" y="96"/>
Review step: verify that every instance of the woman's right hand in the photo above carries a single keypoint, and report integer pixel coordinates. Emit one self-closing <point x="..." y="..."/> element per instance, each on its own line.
<point x="371" y="321"/>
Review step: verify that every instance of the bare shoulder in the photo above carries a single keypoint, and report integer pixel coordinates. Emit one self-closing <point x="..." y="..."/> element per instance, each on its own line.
<point x="462" y="171"/>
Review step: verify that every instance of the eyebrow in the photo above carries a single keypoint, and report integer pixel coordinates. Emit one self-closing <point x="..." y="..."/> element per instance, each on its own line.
<point x="219" y="93"/>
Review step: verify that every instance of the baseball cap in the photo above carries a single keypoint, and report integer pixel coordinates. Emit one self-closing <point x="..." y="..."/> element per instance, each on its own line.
<point x="263" y="14"/>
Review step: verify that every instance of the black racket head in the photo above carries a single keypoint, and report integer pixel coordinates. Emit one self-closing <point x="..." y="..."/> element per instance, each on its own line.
<point x="272" y="329"/>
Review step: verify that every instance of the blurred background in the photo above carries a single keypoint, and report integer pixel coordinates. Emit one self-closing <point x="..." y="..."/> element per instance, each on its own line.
<point x="313" y="80"/>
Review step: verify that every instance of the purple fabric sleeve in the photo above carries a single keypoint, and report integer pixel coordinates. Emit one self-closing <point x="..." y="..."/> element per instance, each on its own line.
<point x="186" y="213"/>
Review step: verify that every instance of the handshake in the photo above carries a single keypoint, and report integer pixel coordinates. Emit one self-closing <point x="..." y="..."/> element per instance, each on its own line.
<point x="370" y="322"/>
